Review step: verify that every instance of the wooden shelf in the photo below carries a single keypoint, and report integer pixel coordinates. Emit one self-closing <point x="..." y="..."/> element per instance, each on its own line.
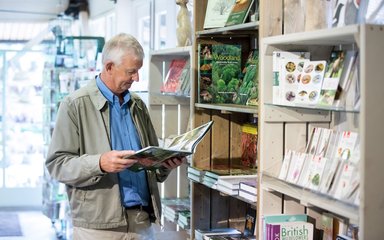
<point x="229" y="108"/>
<point x="311" y="198"/>
<point x="230" y="29"/>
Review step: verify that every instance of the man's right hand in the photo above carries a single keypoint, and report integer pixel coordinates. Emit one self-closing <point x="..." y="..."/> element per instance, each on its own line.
<point x="116" y="161"/>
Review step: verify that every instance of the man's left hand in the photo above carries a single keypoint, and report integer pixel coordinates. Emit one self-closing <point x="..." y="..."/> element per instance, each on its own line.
<point x="174" y="162"/>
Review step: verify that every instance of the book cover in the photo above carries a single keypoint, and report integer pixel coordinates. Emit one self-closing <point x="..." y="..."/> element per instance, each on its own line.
<point x="332" y="77"/>
<point x="182" y="145"/>
<point x="218" y="72"/>
<point x="217" y="13"/>
<point x="277" y="57"/>
<point x="250" y="221"/>
<point x="173" y="77"/>
<point x="268" y="219"/>
<point x="249" y="90"/>
<point x="347" y="181"/>
<point x="239" y="12"/>
<point x="315" y="172"/>
<point x="184" y="88"/>
<point x="249" y="145"/>
<point x="292" y="230"/>
<point x="290" y="77"/>
<point x="345" y="12"/>
<point x="296" y="167"/>
<point x="327" y="226"/>
<point x="310" y="82"/>
<point x="285" y="166"/>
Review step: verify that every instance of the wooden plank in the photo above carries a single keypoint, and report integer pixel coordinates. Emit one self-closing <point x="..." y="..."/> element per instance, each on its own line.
<point x="202" y="156"/>
<point x="318" y="14"/>
<point x="271" y="148"/>
<point x="295" y="136"/>
<point x="292" y="206"/>
<point x="201" y="207"/>
<point x="236" y="121"/>
<point x="271" y="18"/>
<point x="219" y="210"/>
<point x="220" y="140"/>
<point x="156" y="113"/>
<point x="183" y="182"/>
<point x="171" y="120"/>
<point x="237" y="211"/>
<point x="294" y="19"/>
<point x="169" y="186"/>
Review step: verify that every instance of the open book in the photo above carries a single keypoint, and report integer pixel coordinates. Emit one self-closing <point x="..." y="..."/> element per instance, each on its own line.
<point x="182" y="145"/>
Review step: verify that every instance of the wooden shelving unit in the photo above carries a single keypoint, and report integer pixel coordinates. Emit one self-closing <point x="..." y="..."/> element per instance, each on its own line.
<point x="284" y="128"/>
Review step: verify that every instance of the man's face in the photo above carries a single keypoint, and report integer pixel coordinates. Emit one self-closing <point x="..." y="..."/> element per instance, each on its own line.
<point x="124" y="74"/>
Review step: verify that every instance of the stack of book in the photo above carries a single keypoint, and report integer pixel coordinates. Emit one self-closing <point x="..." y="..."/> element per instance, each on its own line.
<point x="206" y="234"/>
<point x="230" y="184"/>
<point x="248" y="190"/>
<point x="173" y="206"/>
<point x="184" y="219"/>
<point x="195" y="174"/>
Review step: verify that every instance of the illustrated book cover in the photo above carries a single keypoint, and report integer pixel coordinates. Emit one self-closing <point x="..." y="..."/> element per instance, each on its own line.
<point x="218" y="72"/>
<point x="332" y="76"/>
<point x="173" y="77"/>
<point x="239" y="12"/>
<point x="182" y="145"/>
<point x="217" y="13"/>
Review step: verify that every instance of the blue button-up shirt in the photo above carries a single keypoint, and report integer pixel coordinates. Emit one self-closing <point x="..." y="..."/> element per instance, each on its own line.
<point x="124" y="136"/>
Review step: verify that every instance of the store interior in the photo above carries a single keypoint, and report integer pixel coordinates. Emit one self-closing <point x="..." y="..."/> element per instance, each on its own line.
<point x="267" y="136"/>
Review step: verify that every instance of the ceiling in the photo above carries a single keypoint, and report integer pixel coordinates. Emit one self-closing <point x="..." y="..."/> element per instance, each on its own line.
<point x="23" y="20"/>
<point x="31" y="10"/>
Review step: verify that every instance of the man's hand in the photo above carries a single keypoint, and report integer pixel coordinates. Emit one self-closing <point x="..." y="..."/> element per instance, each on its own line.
<point x="174" y="162"/>
<point x="115" y="161"/>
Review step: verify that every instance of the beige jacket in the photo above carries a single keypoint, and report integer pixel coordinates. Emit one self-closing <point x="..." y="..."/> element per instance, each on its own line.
<point x="81" y="134"/>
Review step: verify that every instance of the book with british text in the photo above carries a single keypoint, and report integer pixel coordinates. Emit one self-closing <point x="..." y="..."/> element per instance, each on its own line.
<point x="152" y="157"/>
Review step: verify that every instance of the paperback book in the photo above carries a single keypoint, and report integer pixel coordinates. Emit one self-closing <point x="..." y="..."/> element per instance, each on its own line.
<point x="152" y="157"/>
<point x="291" y="230"/>
<point x="218" y="72"/>
<point x="239" y="12"/>
<point x="217" y="13"/>
<point x="269" y="219"/>
<point x="277" y="57"/>
<point x="332" y="76"/>
<point x="173" y="77"/>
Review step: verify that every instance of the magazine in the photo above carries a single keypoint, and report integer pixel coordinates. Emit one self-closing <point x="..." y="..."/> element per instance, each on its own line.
<point x="152" y="157"/>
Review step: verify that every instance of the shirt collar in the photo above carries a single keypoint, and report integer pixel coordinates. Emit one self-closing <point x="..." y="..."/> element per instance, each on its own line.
<point x="108" y="94"/>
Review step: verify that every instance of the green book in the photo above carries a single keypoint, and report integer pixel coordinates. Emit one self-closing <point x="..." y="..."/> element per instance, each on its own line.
<point x="239" y="12"/>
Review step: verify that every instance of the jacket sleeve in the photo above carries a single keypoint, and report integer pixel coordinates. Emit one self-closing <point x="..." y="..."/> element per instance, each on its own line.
<point x="64" y="162"/>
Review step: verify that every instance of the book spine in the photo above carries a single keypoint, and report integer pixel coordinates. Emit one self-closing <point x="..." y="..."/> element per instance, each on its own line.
<point x="275" y="232"/>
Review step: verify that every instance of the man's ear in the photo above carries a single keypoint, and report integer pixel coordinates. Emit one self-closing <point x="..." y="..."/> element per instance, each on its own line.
<point x="109" y="66"/>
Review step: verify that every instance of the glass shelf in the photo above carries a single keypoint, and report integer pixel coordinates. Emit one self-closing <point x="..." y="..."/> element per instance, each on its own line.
<point x="311" y="198"/>
<point x="229" y="108"/>
<point x="334" y="109"/>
